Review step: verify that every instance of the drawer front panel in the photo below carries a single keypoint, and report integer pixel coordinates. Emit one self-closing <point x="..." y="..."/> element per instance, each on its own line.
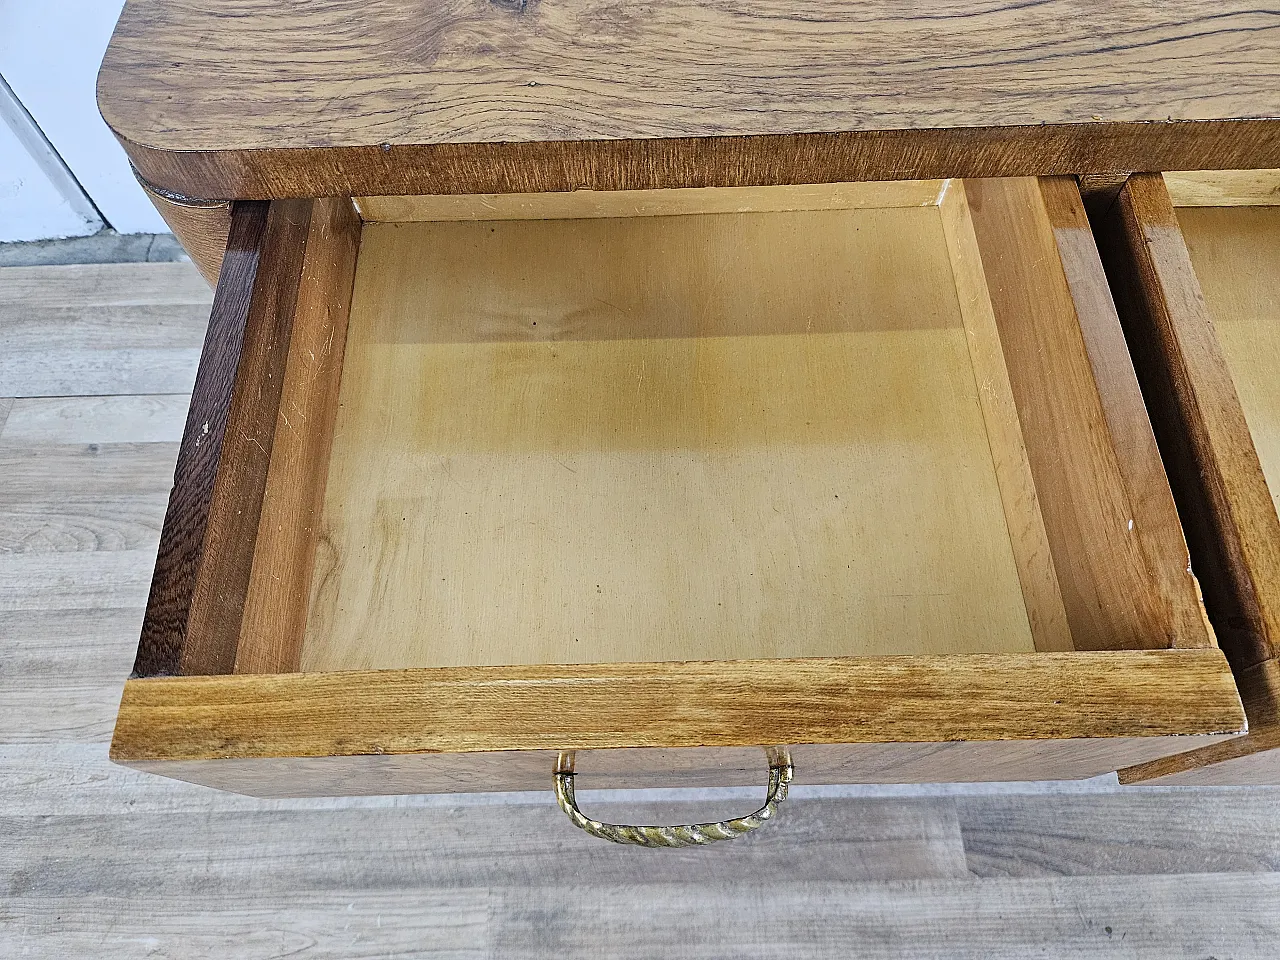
<point x="684" y="767"/>
<point x="931" y="718"/>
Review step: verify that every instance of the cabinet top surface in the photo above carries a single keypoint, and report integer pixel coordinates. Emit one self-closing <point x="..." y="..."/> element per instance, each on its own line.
<point x="224" y="78"/>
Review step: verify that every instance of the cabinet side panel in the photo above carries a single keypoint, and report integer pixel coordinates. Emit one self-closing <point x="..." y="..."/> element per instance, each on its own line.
<point x="182" y="536"/>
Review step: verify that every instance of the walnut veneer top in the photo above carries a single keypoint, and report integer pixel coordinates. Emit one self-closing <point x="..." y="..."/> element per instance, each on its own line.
<point x="264" y="98"/>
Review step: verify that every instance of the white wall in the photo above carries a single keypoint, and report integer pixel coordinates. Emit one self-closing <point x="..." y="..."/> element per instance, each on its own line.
<point x="31" y="207"/>
<point x="50" y="51"/>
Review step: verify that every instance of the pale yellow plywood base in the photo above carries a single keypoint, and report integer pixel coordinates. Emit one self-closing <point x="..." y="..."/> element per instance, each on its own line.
<point x="660" y="438"/>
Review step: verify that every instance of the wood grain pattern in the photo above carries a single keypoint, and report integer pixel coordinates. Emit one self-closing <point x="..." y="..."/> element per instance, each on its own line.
<point x="900" y="700"/>
<point x="63" y="668"/>
<point x="102" y="350"/>
<point x="1109" y="517"/>
<point x="1223" y="188"/>
<point x="1153" y="521"/>
<point x="640" y="164"/>
<point x="182" y="537"/>
<point x="71" y="525"/>
<point x="477" y="97"/>
<point x="107" y="862"/>
<point x="1259" y="688"/>
<point x="76" y="580"/>
<point x="221" y="582"/>
<point x="1204" y="326"/>
<point x="1236" y="256"/>
<point x="1226" y="507"/>
<point x="84" y="474"/>
<point x="94" y="420"/>
<point x="593" y="921"/>
<point x="279" y="585"/>
<point x="77" y="472"/>
<point x="1115" y="833"/>
<point x="887" y="278"/>
<point x="1045" y="611"/>
<point x="1254" y="760"/>
<point x="1184" y="917"/>
<point x="105" y="331"/>
<point x="547" y="427"/>
<point x="651" y="203"/>
<point x="1046" y="759"/>
<point x="197" y="609"/>
<point x="452" y="847"/>
<point x="93" y="286"/>
<point x="201" y="228"/>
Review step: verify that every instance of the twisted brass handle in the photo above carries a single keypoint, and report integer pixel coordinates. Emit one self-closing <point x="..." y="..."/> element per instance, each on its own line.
<point x="682" y="835"/>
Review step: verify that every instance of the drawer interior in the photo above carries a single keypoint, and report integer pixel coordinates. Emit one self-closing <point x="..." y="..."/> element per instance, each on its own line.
<point x="732" y="424"/>
<point x="696" y="437"/>
<point x="1235" y="251"/>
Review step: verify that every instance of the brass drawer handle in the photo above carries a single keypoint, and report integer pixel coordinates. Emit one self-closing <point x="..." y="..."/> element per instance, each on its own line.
<point x="681" y="835"/>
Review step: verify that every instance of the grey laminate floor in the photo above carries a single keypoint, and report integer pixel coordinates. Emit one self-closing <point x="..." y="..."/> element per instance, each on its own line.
<point x="99" y="862"/>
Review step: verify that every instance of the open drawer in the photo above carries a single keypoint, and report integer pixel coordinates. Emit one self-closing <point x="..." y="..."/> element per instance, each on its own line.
<point x="1199" y="292"/>
<point x="857" y="472"/>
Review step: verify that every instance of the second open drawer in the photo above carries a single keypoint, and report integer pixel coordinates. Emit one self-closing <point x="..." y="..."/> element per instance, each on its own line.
<point x="1198" y="295"/>
<point x="859" y="471"/>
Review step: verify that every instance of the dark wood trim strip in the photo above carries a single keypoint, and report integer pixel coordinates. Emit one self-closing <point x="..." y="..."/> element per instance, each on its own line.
<point x="466" y="168"/>
<point x="164" y="626"/>
<point x="1217" y="481"/>
<point x="235" y="502"/>
<point x="193" y="611"/>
